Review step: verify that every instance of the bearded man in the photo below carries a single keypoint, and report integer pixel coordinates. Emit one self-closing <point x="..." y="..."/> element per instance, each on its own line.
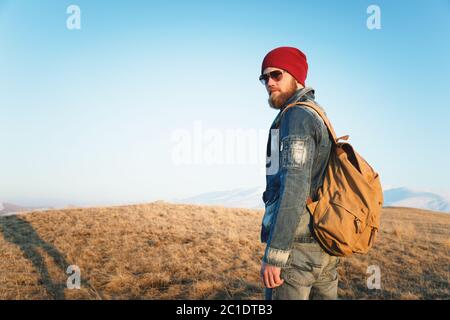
<point x="294" y="266"/>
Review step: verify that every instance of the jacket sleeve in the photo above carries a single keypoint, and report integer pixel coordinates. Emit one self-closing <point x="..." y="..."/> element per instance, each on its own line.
<point x="298" y="135"/>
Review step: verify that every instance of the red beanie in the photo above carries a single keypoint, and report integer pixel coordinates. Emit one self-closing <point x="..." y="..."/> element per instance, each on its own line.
<point x="290" y="59"/>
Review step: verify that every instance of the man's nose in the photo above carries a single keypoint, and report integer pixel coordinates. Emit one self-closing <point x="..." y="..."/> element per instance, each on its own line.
<point x="270" y="82"/>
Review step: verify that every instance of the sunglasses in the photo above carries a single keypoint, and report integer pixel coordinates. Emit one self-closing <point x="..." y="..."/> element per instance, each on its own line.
<point x="276" y="75"/>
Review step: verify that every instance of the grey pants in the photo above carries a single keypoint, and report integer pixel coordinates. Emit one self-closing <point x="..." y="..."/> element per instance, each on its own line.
<point x="311" y="274"/>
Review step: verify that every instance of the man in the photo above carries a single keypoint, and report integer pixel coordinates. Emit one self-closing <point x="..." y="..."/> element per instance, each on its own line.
<point x="294" y="265"/>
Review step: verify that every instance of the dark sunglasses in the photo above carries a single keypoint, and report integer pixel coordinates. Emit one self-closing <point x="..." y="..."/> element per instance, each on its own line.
<point x="276" y="75"/>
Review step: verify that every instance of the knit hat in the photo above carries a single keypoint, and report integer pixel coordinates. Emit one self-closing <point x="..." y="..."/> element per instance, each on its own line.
<point x="290" y="59"/>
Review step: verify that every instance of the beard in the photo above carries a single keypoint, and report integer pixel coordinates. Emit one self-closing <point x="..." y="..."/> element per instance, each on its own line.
<point x="278" y="100"/>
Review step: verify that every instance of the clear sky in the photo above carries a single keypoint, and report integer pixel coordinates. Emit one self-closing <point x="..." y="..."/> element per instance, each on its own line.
<point x="99" y="115"/>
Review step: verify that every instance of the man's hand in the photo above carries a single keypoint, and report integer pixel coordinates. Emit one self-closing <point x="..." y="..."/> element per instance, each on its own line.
<point x="270" y="275"/>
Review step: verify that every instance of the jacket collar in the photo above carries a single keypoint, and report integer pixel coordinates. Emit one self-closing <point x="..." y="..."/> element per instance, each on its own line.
<point x="300" y="95"/>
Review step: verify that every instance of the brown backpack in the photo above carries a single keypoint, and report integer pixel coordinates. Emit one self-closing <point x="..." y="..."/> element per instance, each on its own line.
<point x="346" y="216"/>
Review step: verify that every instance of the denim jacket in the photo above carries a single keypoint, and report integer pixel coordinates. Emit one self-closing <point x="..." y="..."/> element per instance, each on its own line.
<point x="298" y="149"/>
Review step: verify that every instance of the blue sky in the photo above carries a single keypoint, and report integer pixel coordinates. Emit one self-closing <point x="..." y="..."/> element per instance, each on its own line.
<point x="89" y="116"/>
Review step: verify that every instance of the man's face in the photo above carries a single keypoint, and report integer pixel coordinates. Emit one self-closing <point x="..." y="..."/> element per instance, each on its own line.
<point x="280" y="91"/>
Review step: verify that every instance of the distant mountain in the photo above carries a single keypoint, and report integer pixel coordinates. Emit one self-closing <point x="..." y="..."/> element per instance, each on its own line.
<point x="404" y="197"/>
<point x="9" y="208"/>
<point x="252" y="198"/>
<point x="237" y="198"/>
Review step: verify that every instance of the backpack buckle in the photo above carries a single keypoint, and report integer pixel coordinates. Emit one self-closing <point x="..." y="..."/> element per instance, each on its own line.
<point x="358" y="225"/>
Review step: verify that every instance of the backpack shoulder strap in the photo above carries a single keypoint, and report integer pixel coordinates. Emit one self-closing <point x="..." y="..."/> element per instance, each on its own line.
<point x="321" y="114"/>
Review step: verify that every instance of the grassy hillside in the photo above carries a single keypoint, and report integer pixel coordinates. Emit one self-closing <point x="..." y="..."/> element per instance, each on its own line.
<point x="171" y="251"/>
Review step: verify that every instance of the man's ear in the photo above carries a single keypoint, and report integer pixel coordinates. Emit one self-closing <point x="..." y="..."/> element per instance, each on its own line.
<point x="299" y="85"/>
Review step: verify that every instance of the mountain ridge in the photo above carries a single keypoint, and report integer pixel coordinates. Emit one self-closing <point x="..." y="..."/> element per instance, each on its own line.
<point x="251" y="198"/>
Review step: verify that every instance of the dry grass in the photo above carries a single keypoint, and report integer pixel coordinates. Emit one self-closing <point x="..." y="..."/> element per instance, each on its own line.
<point x="173" y="251"/>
